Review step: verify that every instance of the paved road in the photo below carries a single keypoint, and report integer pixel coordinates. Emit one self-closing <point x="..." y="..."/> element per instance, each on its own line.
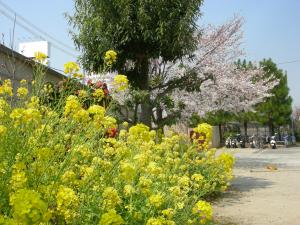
<point x="259" y="196"/>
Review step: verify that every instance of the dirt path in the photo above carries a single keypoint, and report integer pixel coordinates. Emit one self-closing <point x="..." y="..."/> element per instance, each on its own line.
<point x="259" y="196"/>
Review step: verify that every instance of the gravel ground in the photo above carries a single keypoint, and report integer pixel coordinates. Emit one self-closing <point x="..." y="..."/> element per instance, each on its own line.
<point x="262" y="196"/>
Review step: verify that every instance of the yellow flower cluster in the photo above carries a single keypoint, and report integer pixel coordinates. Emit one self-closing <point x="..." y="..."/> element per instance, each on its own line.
<point x="110" y="57"/>
<point x="203" y="210"/>
<point x="71" y="68"/>
<point x="69" y="170"/>
<point x="156" y="200"/>
<point x="3" y="130"/>
<point x="22" y="92"/>
<point x="48" y="88"/>
<point x="99" y="94"/>
<point x="111" y="218"/>
<point x="30" y="116"/>
<point x="6" y="88"/>
<point x="28" y="207"/>
<point x="202" y="136"/>
<point x="72" y="105"/>
<point x="18" y="179"/>
<point x="97" y="110"/>
<point x="40" y="57"/>
<point x="120" y="82"/>
<point x="82" y="94"/>
<point x="110" y="198"/>
<point x="67" y="203"/>
<point x="78" y="75"/>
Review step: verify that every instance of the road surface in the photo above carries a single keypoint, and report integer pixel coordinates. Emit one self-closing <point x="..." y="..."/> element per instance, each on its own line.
<point x="260" y="194"/>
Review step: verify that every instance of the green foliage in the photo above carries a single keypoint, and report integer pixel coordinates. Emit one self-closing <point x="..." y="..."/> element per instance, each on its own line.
<point x="245" y="64"/>
<point x="75" y="168"/>
<point x="139" y="30"/>
<point x="277" y="109"/>
<point x="135" y="29"/>
<point x="219" y="117"/>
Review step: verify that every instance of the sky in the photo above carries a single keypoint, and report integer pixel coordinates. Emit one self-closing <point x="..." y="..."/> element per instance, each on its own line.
<point x="271" y="29"/>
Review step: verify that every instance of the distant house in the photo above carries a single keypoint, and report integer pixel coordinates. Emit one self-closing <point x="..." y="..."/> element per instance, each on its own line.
<point x="15" y="66"/>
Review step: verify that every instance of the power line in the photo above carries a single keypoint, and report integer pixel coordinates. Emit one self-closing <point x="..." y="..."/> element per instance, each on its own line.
<point x="35" y="27"/>
<point x="287" y="62"/>
<point x="36" y="34"/>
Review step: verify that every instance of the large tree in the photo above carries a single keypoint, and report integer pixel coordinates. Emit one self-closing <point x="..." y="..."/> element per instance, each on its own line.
<point x="277" y="109"/>
<point x="206" y="81"/>
<point x="181" y="69"/>
<point x="139" y="30"/>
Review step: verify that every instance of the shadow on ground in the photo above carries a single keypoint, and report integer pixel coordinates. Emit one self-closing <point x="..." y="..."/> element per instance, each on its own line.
<point x="246" y="183"/>
<point x="240" y="185"/>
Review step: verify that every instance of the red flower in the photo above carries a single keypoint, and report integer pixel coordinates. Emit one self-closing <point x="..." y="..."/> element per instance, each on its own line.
<point x="99" y="84"/>
<point x="105" y="92"/>
<point x="111" y="132"/>
<point x="89" y="82"/>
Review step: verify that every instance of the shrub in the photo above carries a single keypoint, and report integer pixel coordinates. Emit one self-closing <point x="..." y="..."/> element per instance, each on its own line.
<point x="74" y="168"/>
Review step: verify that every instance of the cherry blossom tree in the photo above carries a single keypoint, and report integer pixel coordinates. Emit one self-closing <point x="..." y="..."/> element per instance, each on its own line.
<point x="209" y="80"/>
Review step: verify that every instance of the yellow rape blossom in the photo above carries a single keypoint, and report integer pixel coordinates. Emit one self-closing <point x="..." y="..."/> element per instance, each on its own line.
<point x="99" y="94"/>
<point x="110" y="57"/>
<point x="197" y="177"/>
<point x="3" y="130"/>
<point x="29" y="208"/>
<point x="81" y="115"/>
<point x="120" y="82"/>
<point x="128" y="190"/>
<point x="111" y="218"/>
<point x="110" y="198"/>
<point x="202" y="136"/>
<point x="82" y="94"/>
<point x="156" y="200"/>
<point x="67" y="202"/>
<point x="203" y="210"/>
<point x="18" y="180"/>
<point x="6" y="88"/>
<point x="23" y="82"/>
<point x="40" y="57"/>
<point x="72" y="105"/>
<point x="48" y="88"/>
<point x="155" y="221"/>
<point x="96" y="110"/>
<point x="71" y="68"/>
<point x="3" y="104"/>
<point x="169" y="213"/>
<point x="127" y="171"/>
<point x="22" y="92"/>
<point x="78" y="75"/>
<point x="34" y="102"/>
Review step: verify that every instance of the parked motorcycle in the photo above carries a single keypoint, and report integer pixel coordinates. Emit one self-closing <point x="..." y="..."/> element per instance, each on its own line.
<point x="233" y="142"/>
<point x="228" y="142"/>
<point x="273" y="142"/>
<point x="241" y="141"/>
<point x="252" y="141"/>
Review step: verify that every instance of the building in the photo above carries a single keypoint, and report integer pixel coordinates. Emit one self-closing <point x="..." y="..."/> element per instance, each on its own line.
<point x="29" y="48"/>
<point x="15" y="66"/>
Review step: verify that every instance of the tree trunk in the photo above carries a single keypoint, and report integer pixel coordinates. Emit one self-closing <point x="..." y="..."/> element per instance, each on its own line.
<point x="271" y="128"/>
<point x="221" y="135"/>
<point x="246" y="128"/>
<point x="159" y="117"/>
<point x="144" y="85"/>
